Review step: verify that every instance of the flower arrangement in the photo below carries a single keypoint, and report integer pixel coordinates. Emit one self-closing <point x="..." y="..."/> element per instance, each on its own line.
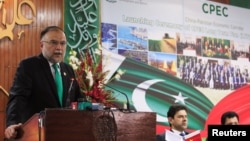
<point x="91" y="77"/>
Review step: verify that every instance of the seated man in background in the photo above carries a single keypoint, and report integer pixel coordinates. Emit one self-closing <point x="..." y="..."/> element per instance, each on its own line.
<point x="177" y="118"/>
<point x="230" y="118"/>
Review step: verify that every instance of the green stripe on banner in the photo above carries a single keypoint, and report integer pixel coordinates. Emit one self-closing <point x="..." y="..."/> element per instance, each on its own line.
<point x="161" y="93"/>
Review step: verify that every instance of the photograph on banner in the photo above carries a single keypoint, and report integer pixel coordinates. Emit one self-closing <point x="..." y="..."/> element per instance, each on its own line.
<point x="132" y="38"/>
<point x="163" y="61"/>
<point x="216" y="48"/>
<point x="134" y="54"/>
<point x="188" y="44"/>
<point x="240" y="50"/>
<point x="109" y="36"/>
<point x="162" y="41"/>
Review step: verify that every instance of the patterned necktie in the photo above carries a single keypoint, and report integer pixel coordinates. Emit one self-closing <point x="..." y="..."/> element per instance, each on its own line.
<point x="58" y="80"/>
<point x="182" y="134"/>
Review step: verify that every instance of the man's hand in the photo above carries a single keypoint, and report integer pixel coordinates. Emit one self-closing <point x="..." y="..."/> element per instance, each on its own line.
<point x="11" y="131"/>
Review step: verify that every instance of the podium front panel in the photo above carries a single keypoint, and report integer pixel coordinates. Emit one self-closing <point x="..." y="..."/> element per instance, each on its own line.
<point x="79" y="125"/>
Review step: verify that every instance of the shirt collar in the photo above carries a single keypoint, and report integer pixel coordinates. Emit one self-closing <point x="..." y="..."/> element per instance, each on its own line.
<point x="51" y="64"/>
<point x="177" y="132"/>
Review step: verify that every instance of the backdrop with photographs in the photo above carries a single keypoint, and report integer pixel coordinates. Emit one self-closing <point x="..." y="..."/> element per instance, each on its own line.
<point x="174" y="51"/>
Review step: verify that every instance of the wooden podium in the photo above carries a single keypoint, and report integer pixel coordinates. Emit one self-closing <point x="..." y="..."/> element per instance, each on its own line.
<point x="78" y="125"/>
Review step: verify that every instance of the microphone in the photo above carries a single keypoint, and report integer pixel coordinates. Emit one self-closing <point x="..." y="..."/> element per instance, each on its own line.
<point x="69" y="90"/>
<point x="128" y="104"/>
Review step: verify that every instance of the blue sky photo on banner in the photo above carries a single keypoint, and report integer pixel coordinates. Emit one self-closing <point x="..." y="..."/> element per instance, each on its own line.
<point x="173" y="51"/>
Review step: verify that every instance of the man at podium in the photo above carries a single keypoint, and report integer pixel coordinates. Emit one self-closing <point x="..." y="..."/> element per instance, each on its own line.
<point x="35" y="87"/>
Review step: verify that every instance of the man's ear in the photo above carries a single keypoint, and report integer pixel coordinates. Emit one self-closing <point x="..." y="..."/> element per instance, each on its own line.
<point x="170" y="119"/>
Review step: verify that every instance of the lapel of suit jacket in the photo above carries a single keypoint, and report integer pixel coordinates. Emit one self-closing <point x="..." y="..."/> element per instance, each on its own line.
<point x="47" y="70"/>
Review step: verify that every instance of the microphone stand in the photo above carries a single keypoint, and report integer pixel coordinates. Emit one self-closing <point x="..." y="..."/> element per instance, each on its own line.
<point x="128" y="104"/>
<point x="69" y="95"/>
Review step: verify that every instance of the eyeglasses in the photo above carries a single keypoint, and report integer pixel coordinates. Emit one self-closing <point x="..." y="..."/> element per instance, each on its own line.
<point x="55" y="43"/>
